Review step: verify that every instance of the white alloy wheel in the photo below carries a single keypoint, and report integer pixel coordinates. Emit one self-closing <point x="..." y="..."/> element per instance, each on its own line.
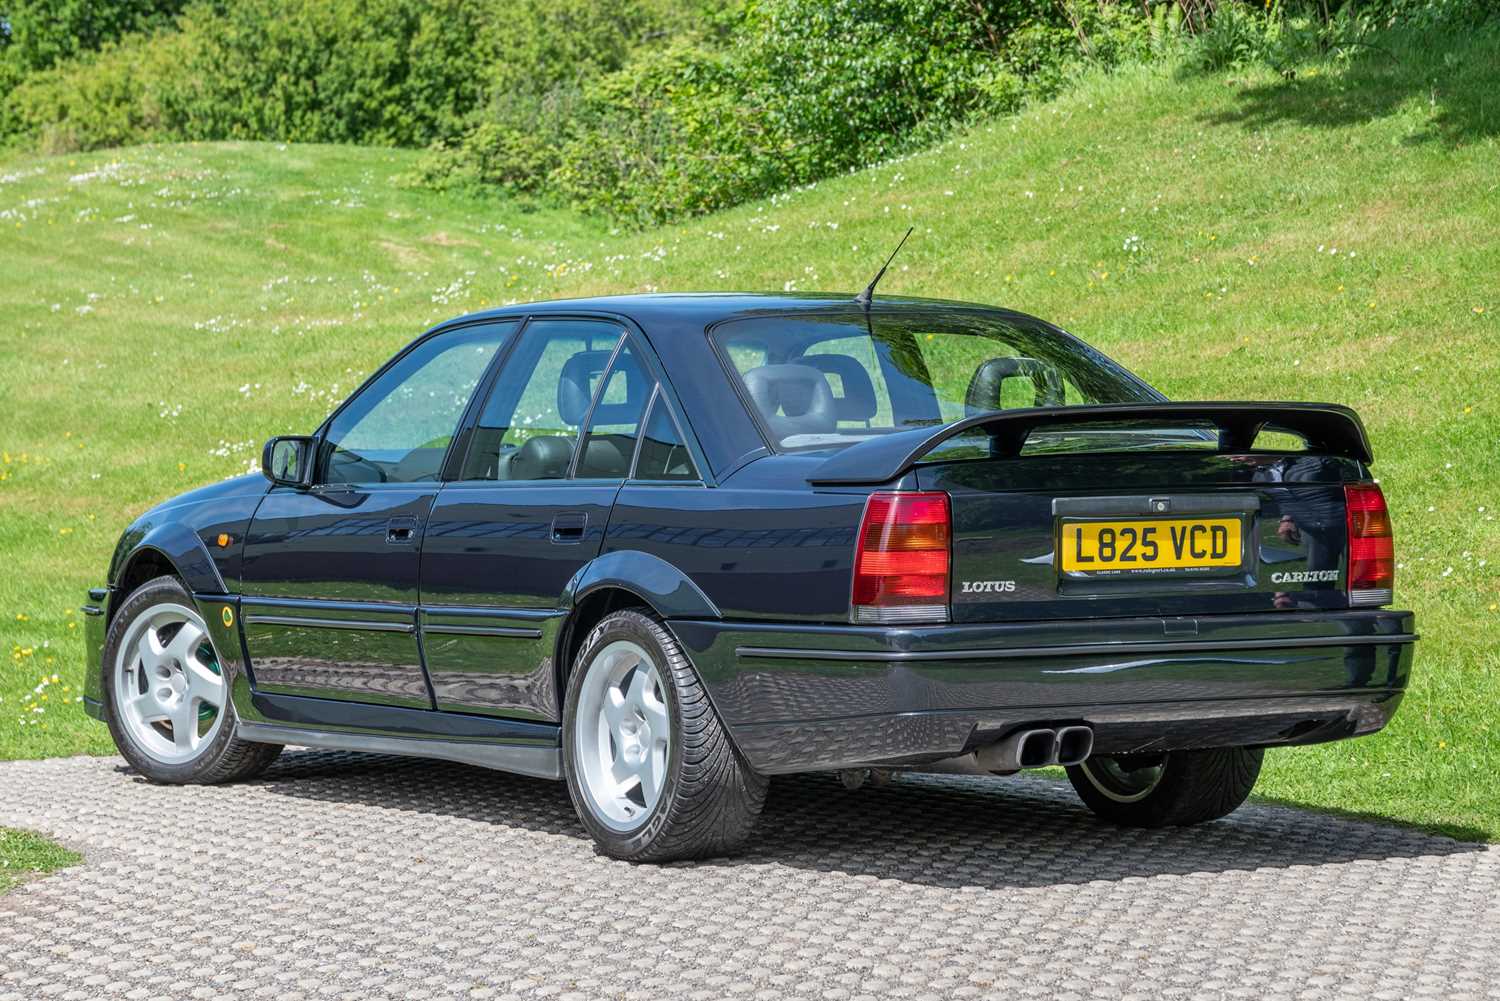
<point x="624" y="735"/>
<point x="169" y="689"/>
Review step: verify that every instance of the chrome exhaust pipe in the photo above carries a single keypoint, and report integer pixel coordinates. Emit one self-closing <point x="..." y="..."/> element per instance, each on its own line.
<point x="1022" y="749"/>
<point x="1038" y="749"/>
<point x="1074" y="744"/>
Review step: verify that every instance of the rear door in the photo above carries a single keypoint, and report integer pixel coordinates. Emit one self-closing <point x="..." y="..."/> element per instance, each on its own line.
<point x="330" y="573"/>
<point x="552" y="445"/>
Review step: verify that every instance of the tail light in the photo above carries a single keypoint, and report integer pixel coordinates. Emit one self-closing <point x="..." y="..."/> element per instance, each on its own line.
<point x="1372" y="555"/>
<point x="901" y="559"/>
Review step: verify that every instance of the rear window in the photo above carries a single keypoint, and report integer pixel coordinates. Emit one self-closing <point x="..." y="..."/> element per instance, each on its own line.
<point x="820" y="380"/>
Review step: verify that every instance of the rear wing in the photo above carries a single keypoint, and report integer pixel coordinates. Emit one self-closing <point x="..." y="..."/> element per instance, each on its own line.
<point x="1328" y="428"/>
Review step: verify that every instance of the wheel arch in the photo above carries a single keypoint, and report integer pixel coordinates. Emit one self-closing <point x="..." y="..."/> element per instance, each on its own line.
<point x="169" y="548"/>
<point x="618" y="580"/>
<point x="144" y="564"/>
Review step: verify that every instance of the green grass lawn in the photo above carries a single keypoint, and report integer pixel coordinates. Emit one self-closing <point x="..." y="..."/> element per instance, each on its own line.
<point x="1228" y="236"/>
<point x="23" y="854"/>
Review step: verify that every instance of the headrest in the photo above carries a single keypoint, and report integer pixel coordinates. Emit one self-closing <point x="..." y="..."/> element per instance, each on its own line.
<point x="984" y="388"/>
<point x="855" y="398"/>
<point x="576" y="383"/>
<point x="794" y="399"/>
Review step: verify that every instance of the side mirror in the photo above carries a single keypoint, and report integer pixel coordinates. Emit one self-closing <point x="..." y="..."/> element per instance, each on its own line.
<point x="287" y="460"/>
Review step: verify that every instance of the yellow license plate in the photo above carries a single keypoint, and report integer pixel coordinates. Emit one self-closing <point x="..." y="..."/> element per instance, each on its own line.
<point x="1151" y="544"/>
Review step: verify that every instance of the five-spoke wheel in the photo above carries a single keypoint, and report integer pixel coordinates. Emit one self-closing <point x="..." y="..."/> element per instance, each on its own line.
<point x="622" y="753"/>
<point x="167" y="696"/>
<point x="1172" y="788"/>
<point x="168" y="683"/>
<point x="650" y="768"/>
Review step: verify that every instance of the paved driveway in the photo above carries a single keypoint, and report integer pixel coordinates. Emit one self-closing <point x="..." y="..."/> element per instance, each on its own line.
<point x="367" y="877"/>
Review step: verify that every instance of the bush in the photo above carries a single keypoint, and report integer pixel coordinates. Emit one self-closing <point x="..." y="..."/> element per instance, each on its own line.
<point x="852" y="81"/>
<point x="122" y="94"/>
<point x="1284" y="32"/>
<point x="36" y="34"/>
<point x="379" y="72"/>
<point x="807" y="88"/>
<point x="375" y="72"/>
<point x="638" y="109"/>
<point x="670" y="135"/>
<point x="1236" y="36"/>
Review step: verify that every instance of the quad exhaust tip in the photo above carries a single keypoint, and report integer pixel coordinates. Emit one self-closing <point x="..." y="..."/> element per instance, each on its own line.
<point x="1038" y="748"/>
<point x="1074" y="744"/>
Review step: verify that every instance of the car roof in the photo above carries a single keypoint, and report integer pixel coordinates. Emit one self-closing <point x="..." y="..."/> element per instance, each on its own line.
<point x="701" y="309"/>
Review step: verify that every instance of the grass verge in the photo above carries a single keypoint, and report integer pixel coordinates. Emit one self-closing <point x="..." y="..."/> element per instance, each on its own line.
<point x="23" y="854"/>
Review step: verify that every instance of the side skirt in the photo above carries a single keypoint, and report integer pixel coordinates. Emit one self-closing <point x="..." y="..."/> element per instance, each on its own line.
<point x="521" y="746"/>
<point x="539" y="762"/>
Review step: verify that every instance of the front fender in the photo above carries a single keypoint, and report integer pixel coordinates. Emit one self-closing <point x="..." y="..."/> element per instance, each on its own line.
<point x="180" y="545"/>
<point x="667" y="589"/>
<point x="185" y="530"/>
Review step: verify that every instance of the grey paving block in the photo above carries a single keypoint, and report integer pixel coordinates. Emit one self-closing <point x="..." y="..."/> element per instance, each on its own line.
<point x="365" y="877"/>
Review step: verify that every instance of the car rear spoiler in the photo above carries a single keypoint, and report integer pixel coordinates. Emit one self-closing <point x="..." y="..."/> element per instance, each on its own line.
<point x="1327" y="427"/>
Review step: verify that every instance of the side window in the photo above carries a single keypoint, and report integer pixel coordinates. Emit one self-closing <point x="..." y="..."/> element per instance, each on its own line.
<point x="664" y="455"/>
<point x="529" y="425"/>
<point x="609" y="442"/>
<point x="398" y="429"/>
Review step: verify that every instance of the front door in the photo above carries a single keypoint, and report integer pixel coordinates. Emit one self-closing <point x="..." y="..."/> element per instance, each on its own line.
<point x="330" y="573"/>
<point x="527" y="511"/>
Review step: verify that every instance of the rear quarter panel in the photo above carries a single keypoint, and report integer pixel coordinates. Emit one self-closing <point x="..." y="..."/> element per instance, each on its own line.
<point x="763" y="545"/>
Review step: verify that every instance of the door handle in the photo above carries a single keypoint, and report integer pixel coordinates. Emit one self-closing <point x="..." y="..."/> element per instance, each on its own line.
<point x="401" y="531"/>
<point x="568" y="526"/>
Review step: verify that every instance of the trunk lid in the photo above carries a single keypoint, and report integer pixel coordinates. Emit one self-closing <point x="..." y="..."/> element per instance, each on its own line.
<point x="1231" y="533"/>
<point x="1134" y="509"/>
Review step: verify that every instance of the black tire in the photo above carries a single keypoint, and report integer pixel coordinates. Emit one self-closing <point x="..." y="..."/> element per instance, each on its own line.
<point x="1191" y="787"/>
<point x="226" y="758"/>
<point x="710" y="798"/>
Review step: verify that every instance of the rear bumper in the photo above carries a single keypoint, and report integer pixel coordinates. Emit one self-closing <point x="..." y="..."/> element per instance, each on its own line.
<point x="800" y="698"/>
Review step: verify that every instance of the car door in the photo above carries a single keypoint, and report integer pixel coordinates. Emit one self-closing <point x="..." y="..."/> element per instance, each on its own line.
<point x="527" y="510"/>
<point x="330" y="573"/>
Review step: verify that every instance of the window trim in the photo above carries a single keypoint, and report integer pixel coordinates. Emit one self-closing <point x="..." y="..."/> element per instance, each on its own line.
<point x="587" y="423"/>
<point x="653" y="366"/>
<point x="453" y="463"/>
<point x="635" y="453"/>
<point x="635" y="459"/>
<point x="523" y="318"/>
<point x="452" y="471"/>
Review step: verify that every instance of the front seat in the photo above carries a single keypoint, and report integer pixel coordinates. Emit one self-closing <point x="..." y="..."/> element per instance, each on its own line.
<point x="793" y="399"/>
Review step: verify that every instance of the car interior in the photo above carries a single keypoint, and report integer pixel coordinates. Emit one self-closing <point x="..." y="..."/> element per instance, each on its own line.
<point x="498" y="452"/>
<point x="823" y="398"/>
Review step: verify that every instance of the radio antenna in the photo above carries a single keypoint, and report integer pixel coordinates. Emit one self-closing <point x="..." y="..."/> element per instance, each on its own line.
<point x="868" y="294"/>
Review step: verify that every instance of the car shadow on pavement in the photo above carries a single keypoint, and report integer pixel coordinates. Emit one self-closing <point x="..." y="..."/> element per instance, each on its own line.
<point x="928" y="830"/>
